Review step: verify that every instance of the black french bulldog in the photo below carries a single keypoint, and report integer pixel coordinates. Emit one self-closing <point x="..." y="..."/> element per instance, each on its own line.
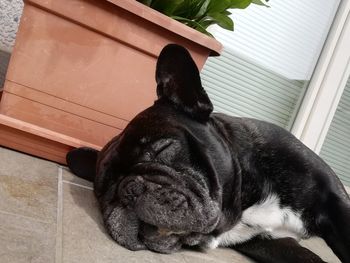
<point x="181" y="175"/>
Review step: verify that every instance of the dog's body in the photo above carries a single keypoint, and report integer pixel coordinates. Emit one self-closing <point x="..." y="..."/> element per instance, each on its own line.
<point x="180" y="175"/>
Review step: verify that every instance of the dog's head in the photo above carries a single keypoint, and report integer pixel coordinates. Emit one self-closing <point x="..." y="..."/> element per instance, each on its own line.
<point x="161" y="169"/>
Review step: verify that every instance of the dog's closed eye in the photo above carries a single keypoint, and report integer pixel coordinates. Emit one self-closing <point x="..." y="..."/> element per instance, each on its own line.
<point x="163" y="149"/>
<point x="162" y="145"/>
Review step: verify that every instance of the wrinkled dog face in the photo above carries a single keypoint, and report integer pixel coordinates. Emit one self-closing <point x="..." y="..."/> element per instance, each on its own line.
<point x="168" y="199"/>
<point x="171" y="209"/>
<point x="155" y="184"/>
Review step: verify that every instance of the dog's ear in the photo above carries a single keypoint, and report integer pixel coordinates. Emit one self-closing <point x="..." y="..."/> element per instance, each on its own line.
<point x="82" y="162"/>
<point x="178" y="81"/>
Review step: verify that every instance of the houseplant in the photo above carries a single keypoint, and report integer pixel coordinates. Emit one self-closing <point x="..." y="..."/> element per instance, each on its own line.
<point x="80" y="70"/>
<point x="200" y="14"/>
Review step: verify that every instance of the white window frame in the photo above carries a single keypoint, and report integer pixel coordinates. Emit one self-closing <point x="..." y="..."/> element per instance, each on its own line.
<point x="327" y="83"/>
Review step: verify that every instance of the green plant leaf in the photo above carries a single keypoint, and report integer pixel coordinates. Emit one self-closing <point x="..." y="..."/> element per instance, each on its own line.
<point x="166" y="7"/>
<point x="222" y="20"/>
<point x="260" y="2"/>
<point x="146" y="2"/>
<point x="199" y="14"/>
<point x="218" y="6"/>
<point x="192" y="24"/>
<point x="240" y="4"/>
<point x="203" y="8"/>
<point x="207" y="23"/>
<point x="188" y="8"/>
<point x="226" y="12"/>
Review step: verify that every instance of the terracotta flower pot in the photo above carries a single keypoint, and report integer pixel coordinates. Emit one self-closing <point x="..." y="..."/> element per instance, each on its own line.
<point x="82" y="69"/>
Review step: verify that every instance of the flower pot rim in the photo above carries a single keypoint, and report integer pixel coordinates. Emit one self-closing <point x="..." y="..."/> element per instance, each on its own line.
<point x="170" y="24"/>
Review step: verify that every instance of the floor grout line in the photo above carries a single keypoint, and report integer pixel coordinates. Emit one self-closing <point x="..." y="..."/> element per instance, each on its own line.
<point x="59" y="225"/>
<point x="79" y="185"/>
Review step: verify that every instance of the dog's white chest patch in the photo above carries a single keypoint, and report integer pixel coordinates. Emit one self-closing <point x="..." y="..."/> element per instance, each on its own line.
<point x="264" y="218"/>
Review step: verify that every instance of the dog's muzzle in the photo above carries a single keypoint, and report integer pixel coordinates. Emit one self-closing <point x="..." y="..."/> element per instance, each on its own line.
<point x="163" y="198"/>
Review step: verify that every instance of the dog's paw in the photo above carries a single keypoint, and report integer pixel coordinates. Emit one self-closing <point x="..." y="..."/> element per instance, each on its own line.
<point x="211" y="244"/>
<point x="204" y="241"/>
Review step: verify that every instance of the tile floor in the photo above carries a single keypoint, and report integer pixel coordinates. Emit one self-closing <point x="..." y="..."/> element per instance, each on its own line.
<point x="49" y="215"/>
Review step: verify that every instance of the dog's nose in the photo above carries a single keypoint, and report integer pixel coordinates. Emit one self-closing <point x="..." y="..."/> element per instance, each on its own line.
<point x="133" y="190"/>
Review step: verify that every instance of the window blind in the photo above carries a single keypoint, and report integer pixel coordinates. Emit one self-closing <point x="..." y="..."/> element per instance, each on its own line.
<point x="286" y="38"/>
<point x="335" y="150"/>
<point x="238" y="86"/>
<point x="268" y="60"/>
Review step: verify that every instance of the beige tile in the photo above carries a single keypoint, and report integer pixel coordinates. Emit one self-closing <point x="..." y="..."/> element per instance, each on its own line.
<point x="229" y="255"/>
<point x="26" y="240"/>
<point x="28" y="211"/>
<point x="85" y="239"/>
<point x="28" y="186"/>
<point x="319" y="247"/>
<point x="84" y="236"/>
<point x="17" y="163"/>
<point x="220" y="255"/>
<point x="69" y="177"/>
